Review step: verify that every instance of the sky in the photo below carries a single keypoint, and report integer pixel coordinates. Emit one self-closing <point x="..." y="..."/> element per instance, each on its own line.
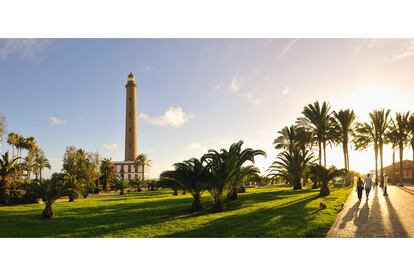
<point x="195" y="94"/>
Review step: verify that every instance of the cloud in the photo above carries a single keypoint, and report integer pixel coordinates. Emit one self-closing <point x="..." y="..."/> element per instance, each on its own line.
<point x="81" y="119"/>
<point x="110" y="146"/>
<point x="287" y="47"/>
<point x="56" y="121"/>
<point x="235" y="84"/>
<point x="173" y="117"/>
<point x="30" y="49"/>
<point x="255" y="97"/>
<point x="217" y="86"/>
<point x="194" y="146"/>
<point x="405" y="50"/>
<point x="285" y="91"/>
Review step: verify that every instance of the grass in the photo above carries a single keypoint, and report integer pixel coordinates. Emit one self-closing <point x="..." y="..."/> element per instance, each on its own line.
<point x="261" y="212"/>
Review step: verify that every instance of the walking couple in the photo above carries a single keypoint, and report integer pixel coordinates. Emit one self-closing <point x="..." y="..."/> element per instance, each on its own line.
<point x="367" y="184"/>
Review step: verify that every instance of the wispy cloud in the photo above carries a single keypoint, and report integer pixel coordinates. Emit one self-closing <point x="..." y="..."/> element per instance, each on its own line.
<point x="403" y="51"/>
<point x="31" y="49"/>
<point x="53" y="120"/>
<point x="217" y="86"/>
<point x="287" y="47"/>
<point x="235" y="83"/>
<point x="285" y="91"/>
<point x="173" y="117"/>
<point x="111" y="146"/>
<point x="194" y="146"/>
<point x="81" y="119"/>
<point x="255" y="97"/>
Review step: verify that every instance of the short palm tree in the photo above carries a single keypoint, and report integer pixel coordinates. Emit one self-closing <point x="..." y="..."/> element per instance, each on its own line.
<point x="107" y="170"/>
<point x="401" y="128"/>
<point x="224" y="167"/>
<point x="192" y="176"/>
<point x="324" y="176"/>
<point x="143" y="161"/>
<point x="8" y="167"/>
<point x="292" y="166"/>
<point x="49" y="191"/>
<point x="121" y="185"/>
<point x="317" y="120"/>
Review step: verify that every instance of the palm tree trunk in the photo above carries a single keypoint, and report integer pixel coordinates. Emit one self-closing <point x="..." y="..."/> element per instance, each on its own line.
<point x="393" y="165"/>
<point x="40" y="174"/>
<point x="4" y="190"/>
<point x="401" y="164"/>
<point x="381" y="165"/>
<point x="48" y="211"/>
<point x="376" y="162"/>
<point x="196" y="205"/>
<point x="296" y="184"/>
<point x="412" y="172"/>
<point x="324" y="153"/>
<point x="324" y="189"/>
<point x="320" y="152"/>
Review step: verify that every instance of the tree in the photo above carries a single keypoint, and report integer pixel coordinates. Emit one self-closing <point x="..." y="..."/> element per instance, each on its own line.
<point x="120" y="185"/>
<point x="143" y="161"/>
<point x="380" y="121"/>
<point x="2" y="127"/>
<point x="292" y="166"/>
<point x="343" y="124"/>
<point x="324" y="176"/>
<point x="12" y="140"/>
<point x="41" y="163"/>
<point x="49" y="191"/>
<point x="366" y="136"/>
<point x="402" y="128"/>
<point x="224" y="167"/>
<point x="392" y="138"/>
<point x="317" y="120"/>
<point x="108" y="173"/>
<point x="411" y="131"/>
<point x="286" y="139"/>
<point x="192" y="176"/>
<point x="8" y="167"/>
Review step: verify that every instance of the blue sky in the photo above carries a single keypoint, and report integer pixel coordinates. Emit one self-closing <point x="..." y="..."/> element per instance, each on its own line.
<point x="193" y="94"/>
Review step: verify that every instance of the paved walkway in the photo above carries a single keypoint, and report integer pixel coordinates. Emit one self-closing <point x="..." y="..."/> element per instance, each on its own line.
<point x="380" y="216"/>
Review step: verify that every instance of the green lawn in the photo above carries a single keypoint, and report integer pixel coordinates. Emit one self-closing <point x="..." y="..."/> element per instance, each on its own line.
<point x="271" y="212"/>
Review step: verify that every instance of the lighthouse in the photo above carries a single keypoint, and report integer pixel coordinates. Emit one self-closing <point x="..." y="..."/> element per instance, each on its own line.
<point x="131" y="132"/>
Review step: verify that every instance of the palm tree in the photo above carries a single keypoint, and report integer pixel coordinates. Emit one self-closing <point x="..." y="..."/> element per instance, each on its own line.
<point x="380" y="121"/>
<point x="12" y="140"/>
<point x="8" y="167"/>
<point x="107" y="169"/>
<point x="49" y="191"/>
<point x="192" y="176"/>
<point x="392" y="138"/>
<point x="224" y="167"/>
<point x="143" y="160"/>
<point x="317" y="120"/>
<point x="20" y="144"/>
<point x="292" y="166"/>
<point x="40" y="163"/>
<point x="411" y="130"/>
<point x="365" y="136"/>
<point x="324" y="176"/>
<point x="286" y="139"/>
<point x="401" y="127"/>
<point x="343" y="124"/>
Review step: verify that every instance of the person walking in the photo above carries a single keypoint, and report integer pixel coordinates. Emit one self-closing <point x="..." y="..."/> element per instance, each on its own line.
<point x="368" y="185"/>
<point x="359" y="188"/>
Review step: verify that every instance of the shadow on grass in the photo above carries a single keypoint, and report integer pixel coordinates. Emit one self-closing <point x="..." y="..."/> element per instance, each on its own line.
<point x="77" y="220"/>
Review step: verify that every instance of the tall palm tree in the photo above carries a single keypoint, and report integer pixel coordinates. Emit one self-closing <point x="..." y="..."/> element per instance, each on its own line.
<point x="401" y="127"/>
<point x="41" y="162"/>
<point x="392" y="138"/>
<point x="8" y="167"/>
<point x="192" y="176"/>
<point x="317" y="119"/>
<point x="343" y="124"/>
<point x="365" y="137"/>
<point x="143" y="161"/>
<point x="286" y="139"/>
<point x="380" y="120"/>
<point x="292" y="166"/>
<point x="325" y="175"/>
<point x="12" y="140"/>
<point x="21" y="141"/>
<point x="107" y="169"/>
<point x="411" y="130"/>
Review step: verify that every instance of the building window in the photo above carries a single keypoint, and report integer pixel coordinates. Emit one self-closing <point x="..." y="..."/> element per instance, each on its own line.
<point x="136" y="176"/>
<point x="129" y="177"/>
<point x="125" y="168"/>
